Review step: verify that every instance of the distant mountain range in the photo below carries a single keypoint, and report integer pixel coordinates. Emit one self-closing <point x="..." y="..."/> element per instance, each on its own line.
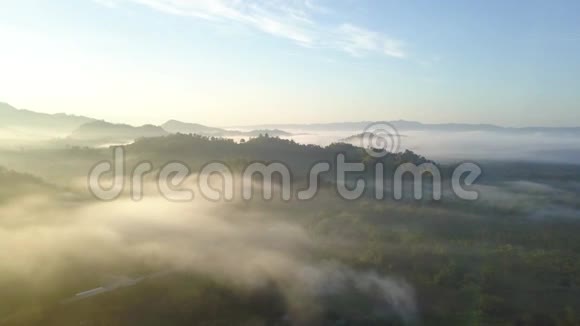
<point x="403" y="125"/>
<point x="122" y="133"/>
<point x="115" y="132"/>
<point x="18" y="124"/>
<point x="34" y="123"/>
<point x="174" y="126"/>
<point x="78" y="130"/>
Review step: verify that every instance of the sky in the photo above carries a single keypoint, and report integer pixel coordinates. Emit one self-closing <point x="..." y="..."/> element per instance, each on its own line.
<point x="234" y="62"/>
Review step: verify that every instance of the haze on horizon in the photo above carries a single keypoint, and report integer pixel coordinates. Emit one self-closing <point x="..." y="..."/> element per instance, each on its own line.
<point x="238" y="63"/>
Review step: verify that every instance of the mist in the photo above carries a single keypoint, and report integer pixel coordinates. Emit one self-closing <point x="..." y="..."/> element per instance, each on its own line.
<point x="468" y="145"/>
<point x="251" y="248"/>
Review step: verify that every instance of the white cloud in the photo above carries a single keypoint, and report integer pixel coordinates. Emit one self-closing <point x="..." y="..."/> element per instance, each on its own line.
<point x="357" y="40"/>
<point x="291" y="19"/>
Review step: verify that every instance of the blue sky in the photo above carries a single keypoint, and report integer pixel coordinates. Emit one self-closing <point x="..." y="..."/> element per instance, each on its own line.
<point x="233" y="62"/>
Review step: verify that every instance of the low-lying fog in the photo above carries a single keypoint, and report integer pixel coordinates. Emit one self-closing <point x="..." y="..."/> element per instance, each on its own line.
<point x="435" y="145"/>
<point x="52" y="244"/>
<point x="473" y="145"/>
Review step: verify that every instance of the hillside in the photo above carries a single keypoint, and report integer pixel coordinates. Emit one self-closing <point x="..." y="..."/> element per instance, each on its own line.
<point x="105" y="131"/>
<point x="33" y="123"/>
<point x="174" y="126"/>
<point x="197" y="150"/>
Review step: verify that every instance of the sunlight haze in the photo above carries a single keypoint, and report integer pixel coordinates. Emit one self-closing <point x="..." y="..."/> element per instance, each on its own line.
<point x="237" y="62"/>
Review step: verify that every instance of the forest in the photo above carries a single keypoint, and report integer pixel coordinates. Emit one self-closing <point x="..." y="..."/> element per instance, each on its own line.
<point x="509" y="258"/>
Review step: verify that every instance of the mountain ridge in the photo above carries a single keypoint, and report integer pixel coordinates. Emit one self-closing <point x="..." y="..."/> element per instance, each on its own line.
<point x="11" y="117"/>
<point x="416" y="126"/>
<point x="176" y="126"/>
<point x="25" y="120"/>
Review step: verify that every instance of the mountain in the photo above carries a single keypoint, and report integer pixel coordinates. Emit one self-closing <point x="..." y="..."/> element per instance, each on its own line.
<point x="34" y="124"/>
<point x="111" y="132"/>
<point x="19" y="127"/>
<point x="197" y="150"/>
<point x="174" y="126"/>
